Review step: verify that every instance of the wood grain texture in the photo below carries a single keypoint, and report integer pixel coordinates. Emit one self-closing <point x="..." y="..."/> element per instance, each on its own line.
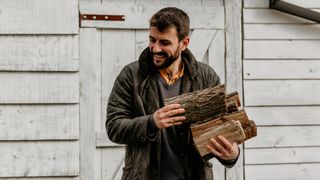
<point x="281" y="92"/>
<point x="137" y="15"/>
<point x="265" y="3"/>
<point x="44" y="88"/>
<point x="39" y="53"/>
<point x="39" y="17"/>
<point x="39" y="122"/>
<point x="32" y="159"/>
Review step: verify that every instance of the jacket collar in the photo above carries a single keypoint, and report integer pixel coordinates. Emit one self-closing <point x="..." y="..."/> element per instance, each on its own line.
<point x="147" y="68"/>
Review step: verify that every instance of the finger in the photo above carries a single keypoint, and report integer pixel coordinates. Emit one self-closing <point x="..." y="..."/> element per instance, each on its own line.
<point x="170" y="107"/>
<point x="212" y="150"/>
<point x="174" y="112"/>
<point x="225" y="142"/>
<point x="219" y="147"/>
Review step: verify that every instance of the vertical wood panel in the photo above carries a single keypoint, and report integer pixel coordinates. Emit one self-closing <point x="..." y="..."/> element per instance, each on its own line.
<point x="200" y="41"/>
<point x="216" y="57"/>
<point x="90" y="102"/>
<point x="38" y="17"/>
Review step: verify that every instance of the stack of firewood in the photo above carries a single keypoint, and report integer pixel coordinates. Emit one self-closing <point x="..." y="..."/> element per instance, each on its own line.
<point x="211" y="112"/>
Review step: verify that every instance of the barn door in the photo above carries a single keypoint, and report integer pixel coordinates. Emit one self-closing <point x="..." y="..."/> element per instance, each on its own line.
<point x="107" y="46"/>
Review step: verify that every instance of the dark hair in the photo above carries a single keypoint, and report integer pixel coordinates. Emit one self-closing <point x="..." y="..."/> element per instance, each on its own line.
<point x="171" y="17"/>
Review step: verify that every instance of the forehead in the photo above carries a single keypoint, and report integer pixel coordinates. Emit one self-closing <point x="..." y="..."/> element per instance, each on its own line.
<point x="169" y="34"/>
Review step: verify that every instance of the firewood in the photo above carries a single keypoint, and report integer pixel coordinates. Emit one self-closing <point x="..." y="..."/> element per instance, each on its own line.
<point x="231" y="130"/>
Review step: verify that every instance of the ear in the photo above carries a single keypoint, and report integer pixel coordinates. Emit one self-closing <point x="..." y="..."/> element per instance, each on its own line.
<point x="185" y="42"/>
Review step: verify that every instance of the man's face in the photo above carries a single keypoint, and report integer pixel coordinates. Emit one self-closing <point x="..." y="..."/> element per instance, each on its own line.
<point x="165" y="47"/>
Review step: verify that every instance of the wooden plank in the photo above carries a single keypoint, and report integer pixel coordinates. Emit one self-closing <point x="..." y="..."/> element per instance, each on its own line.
<point x="285" y="49"/>
<point x="112" y="163"/>
<point x="39" y="17"/>
<point x="233" y="59"/>
<point x="287" y="115"/>
<point x="283" y="172"/>
<point x="212" y="3"/>
<point x="281" y="92"/>
<point x="102" y="140"/>
<point x="281" y="69"/>
<point x="22" y="88"/>
<point x="142" y="42"/>
<point x="39" y="122"/>
<point x="33" y="159"/>
<point x="148" y="3"/>
<point x="200" y="41"/>
<point x="39" y="53"/>
<point x="90" y="102"/>
<point x="43" y="178"/>
<point x="113" y="60"/>
<point x="282" y="155"/>
<point x="281" y="31"/>
<point x="271" y="16"/>
<point x="265" y="3"/>
<point x="285" y="136"/>
<point x="216" y="55"/>
<point x="137" y="15"/>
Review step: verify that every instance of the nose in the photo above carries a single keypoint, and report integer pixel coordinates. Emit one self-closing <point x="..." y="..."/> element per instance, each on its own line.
<point x="155" y="48"/>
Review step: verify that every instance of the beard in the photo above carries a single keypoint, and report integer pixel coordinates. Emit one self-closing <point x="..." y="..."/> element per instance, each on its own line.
<point x="169" y="59"/>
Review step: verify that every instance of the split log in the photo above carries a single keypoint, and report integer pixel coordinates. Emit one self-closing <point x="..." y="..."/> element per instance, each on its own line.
<point x="201" y="105"/>
<point x="231" y="130"/>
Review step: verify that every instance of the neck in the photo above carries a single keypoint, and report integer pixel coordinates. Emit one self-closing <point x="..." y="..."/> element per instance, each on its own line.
<point x="174" y="67"/>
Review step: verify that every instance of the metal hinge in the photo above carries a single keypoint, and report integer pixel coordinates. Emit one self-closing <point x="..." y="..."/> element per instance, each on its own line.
<point x="100" y="17"/>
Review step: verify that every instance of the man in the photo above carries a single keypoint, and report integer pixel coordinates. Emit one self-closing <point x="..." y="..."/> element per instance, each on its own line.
<point x="158" y="144"/>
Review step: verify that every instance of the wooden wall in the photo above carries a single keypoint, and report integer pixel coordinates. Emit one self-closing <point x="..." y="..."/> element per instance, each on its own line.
<point x="281" y="70"/>
<point x="39" y="91"/>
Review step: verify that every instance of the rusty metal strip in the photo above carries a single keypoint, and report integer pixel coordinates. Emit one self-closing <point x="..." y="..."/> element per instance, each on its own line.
<point x="101" y="17"/>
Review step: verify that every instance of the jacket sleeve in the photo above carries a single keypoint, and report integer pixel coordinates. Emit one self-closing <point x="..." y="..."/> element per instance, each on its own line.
<point x="122" y="126"/>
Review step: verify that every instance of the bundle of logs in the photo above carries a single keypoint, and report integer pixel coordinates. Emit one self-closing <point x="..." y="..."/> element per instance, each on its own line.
<point x="211" y="112"/>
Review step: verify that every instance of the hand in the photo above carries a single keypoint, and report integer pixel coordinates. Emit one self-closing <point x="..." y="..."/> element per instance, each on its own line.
<point x="166" y="116"/>
<point x="223" y="148"/>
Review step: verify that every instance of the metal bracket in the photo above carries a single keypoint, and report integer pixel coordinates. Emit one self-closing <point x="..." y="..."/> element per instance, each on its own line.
<point x="295" y="10"/>
<point x="100" y="17"/>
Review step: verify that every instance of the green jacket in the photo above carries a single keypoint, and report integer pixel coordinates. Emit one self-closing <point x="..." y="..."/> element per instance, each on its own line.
<point x="133" y="100"/>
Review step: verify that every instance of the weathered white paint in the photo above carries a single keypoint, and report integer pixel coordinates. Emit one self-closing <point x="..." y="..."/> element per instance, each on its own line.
<point x="31" y="159"/>
<point x="39" y="53"/>
<point x="102" y="140"/>
<point x="283" y="155"/>
<point x="283" y="172"/>
<point x="282" y="31"/>
<point x="38" y="17"/>
<point x="216" y="55"/>
<point x="270" y="16"/>
<point x="112" y="163"/>
<point x="200" y="40"/>
<point x="265" y="3"/>
<point x="90" y="102"/>
<point x="274" y="69"/>
<point x="39" y="88"/>
<point x="285" y="136"/>
<point x="137" y="15"/>
<point x="43" y="178"/>
<point x="285" y="49"/>
<point x="39" y="122"/>
<point x="281" y="92"/>
<point x="284" y="115"/>
<point x="142" y="42"/>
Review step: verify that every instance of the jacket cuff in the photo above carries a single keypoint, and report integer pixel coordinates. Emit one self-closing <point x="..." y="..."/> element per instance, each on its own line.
<point x="152" y="129"/>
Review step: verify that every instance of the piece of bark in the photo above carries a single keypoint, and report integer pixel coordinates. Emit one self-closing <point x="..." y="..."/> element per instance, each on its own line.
<point x="250" y="132"/>
<point x="201" y="105"/>
<point x="233" y="102"/>
<point x="231" y="130"/>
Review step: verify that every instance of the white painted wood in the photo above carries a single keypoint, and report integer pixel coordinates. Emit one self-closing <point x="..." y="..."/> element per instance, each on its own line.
<point x="118" y="51"/>
<point x="27" y="87"/>
<point x="285" y="136"/>
<point x="216" y="55"/>
<point x="212" y="2"/>
<point x="31" y="159"/>
<point x="137" y="15"/>
<point x="142" y="41"/>
<point x="287" y="115"/>
<point x="102" y="140"/>
<point x="90" y="102"/>
<point x="285" y="49"/>
<point x="281" y="69"/>
<point x="283" y="155"/>
<point x="281" y="31"/>
<point x="43" y="178"/>
<point x="281" y="92"/>
<point x="39" y="122"/>
<point x="39" y="17"/>
<point x="270" y="16"/>
<point x="265" y="3"/>
<point x="155" y="3"/>
<point x="200" y="41"/>
<point x="112" y="163"/>
<point x="39" y="53"/>
<point x="233" y="59"/>
<point x="283" y="172"/>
